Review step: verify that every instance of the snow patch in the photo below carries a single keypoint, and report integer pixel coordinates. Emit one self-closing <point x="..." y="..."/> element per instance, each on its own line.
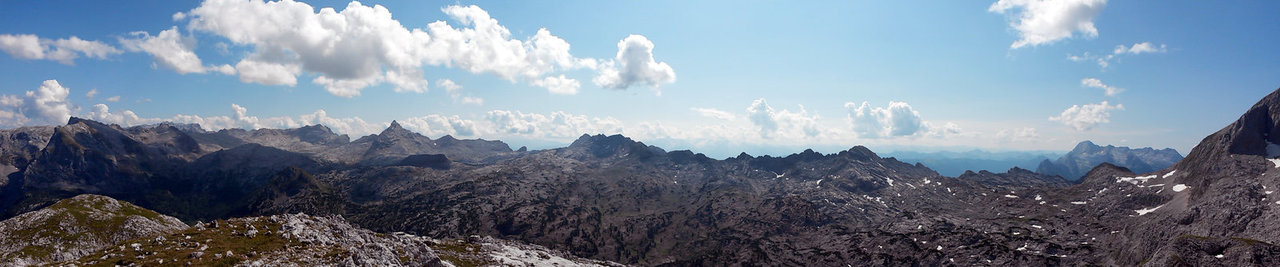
<point x="1037" y="226"/>
<point x="1220" y="255"/>
<point x="1275" y="162"/>
<point x="1179" y="187"/>
<point x="1145" y="211"/>
<point x="1038" y="197"/>
<point x="890" y="180"/>
<point x="1079" y="202"/>
<point x="1169" y="174"/>
<point x="1137" y="180"/>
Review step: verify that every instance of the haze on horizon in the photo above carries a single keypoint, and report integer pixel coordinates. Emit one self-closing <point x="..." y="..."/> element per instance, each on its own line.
<point x="713" y="77"/>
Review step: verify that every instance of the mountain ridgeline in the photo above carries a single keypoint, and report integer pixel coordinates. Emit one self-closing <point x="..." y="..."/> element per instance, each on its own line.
<point x="615" y="199"/>
<point x="1086" y="155"/>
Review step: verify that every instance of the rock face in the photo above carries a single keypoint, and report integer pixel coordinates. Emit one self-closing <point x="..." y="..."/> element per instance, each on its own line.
<point x="1086" y="155"/>
<point x="1214" y="207"/>
<point x="76" y="227"/>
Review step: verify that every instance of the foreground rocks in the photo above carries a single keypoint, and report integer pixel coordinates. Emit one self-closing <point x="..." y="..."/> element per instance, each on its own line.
<point x="76" y="227"/>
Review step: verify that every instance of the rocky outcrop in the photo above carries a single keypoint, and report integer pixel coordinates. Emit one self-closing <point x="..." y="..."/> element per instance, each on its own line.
<point x="75" y="227"/>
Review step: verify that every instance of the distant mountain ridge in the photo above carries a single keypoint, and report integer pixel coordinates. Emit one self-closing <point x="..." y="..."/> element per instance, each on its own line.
<point x="1086" y="155"/>
<point x="956" y="163"/>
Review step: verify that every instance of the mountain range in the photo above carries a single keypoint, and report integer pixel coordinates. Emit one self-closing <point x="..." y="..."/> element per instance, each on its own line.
<point x="611" y="198"/>
<point x="1086" y="155"/>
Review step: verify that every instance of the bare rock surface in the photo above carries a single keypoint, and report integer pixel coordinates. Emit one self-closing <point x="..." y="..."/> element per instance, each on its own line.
<point x="76" y="227"/>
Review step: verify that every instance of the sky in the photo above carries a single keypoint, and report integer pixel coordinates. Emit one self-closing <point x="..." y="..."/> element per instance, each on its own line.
<point x="718" y="77"/>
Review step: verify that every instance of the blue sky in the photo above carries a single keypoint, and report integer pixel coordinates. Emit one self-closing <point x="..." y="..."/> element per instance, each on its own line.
<point x="718" y="77"/>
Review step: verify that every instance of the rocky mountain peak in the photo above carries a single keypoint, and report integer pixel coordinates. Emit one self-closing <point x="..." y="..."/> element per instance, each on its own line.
<point x="396" y="130"/>
<point x="603" y="146"/>
<point x="1085" y="146"/>
<point x="860" y="153"/>
<point x="1257" y="132"/>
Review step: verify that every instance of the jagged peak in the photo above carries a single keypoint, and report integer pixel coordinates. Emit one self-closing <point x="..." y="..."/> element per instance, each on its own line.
<point x="1085" y="146"/>
<point x="396" y="130"/>
<point x="860" y="152"/>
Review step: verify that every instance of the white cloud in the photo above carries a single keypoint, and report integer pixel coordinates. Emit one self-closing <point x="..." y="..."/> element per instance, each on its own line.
<point x="1085" y="117"/>
<point x="896" y="120"/>
<point x="1046" y="21"/>
<point x="1095" y="83"/>
<point x="634" y="65"/>
<point x="113" y="99"/>
<point x="455" y="92"/>
<point x="65" y="51"/>
<point x="1024" y="134"/>
<point x="91" y="93"/>
<point x="252" y="71"/>
<point x="555" y="126"/>
<point x="10" y="101"/>
<point x="782" y="124"/>
<point x="363" y="46"/>
<point x="471" y="100"/>
<point x="171" y="50"/>
<point x="47" y="105"/>
<point x="1120" y="50"/>
<point x="435" y="125"/>
<point x="50" y="103"/>
<point x="715" y="113"/>
<point x="1140" y="48"/>
<point x="558" y="85"/>
<point x="240" y="118"/>
<point x="102" y="113"/>
<point x="449" y="87"/>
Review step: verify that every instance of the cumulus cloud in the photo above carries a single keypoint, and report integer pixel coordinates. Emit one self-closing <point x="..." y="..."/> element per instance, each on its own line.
<point x="363" y="46"/>
<point x="65" y="51"/>
<point x="253" y="71"/>
<point x="558" y="85"/>
<point x="555" y="126"/>
<point x="714" y="113"/>
<point x="784" y="123"/>
<point x="1095" y="83"/>
<point x="1046" y="21"/>
<point x="47" y="105"/>
<point x="896" y="120"/>
<point x="1085" y="117"/>
<point x="634" y="65"/>
<point x="172" y="51"/>
<point x="435" y="125"/>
